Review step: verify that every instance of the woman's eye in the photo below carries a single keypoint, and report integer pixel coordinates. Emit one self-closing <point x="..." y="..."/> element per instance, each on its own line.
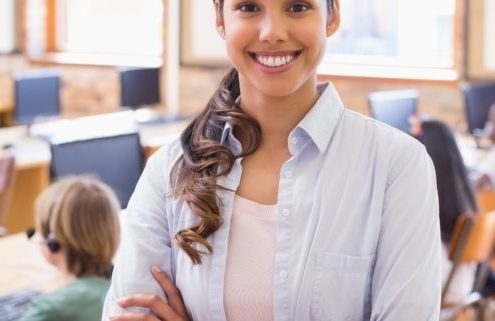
<point x="248" y="8"/>
<point x="299" y="7"/>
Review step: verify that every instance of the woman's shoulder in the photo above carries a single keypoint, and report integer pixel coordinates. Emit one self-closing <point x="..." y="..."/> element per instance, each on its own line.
<point x="374" y="132"/>
<point x="168" y="152"/>
<point x="163" y="159"/>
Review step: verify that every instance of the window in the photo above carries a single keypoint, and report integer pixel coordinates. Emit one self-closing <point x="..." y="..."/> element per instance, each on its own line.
<point x="400" y="33"/>
<point x="123" y="27"/>
<point x="7" y="26"/>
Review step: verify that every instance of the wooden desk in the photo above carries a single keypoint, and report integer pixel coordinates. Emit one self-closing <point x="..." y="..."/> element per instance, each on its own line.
<point x="23" y="266"/>
<point x="6" y="98"/>
<point x="31" y="176"/>
<point x="32" y="169"/>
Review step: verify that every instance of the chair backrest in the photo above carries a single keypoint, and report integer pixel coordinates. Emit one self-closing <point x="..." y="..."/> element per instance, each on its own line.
<point x="473" y="238"/>
<point x="6" y="173"/>
<point x="477" y="101"/>
<point x="472" y="242"/>
<point x="486" y="200"/>
<point x="37" y="95"/>
<point x="139" y="87"/>
<point x="117" y="160"/>
<point x="394" y="107"/>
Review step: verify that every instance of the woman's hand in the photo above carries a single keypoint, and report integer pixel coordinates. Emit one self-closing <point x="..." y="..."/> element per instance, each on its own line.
<point x="174" y="310"/>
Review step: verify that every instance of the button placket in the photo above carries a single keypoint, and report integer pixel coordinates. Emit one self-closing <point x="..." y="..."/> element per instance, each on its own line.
<point x="282" y="265"/>
<point x="288" y="174"/>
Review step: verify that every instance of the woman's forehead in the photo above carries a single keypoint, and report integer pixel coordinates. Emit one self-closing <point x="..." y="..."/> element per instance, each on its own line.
<point x="274" y="1"/>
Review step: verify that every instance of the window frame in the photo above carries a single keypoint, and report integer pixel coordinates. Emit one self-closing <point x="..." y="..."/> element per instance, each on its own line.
<point x="361" y="69"/>
<point x="53" y="53"/>
<point x="15" y="29"/>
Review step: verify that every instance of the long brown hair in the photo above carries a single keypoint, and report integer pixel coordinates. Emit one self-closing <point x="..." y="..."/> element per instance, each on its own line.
<point x="204" y="160"/>
<point x="194" y="176"/>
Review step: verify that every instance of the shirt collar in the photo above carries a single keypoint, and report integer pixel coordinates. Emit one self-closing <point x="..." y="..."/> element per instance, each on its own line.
<point x="322" y="120"/>
<point x="319" y="123"/>
<point x="228" y="139"/>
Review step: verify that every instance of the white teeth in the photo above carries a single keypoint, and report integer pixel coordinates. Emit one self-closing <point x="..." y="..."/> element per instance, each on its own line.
<point x="275" y="61"/>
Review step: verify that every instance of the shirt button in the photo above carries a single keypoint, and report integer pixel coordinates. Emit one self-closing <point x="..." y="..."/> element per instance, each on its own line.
<point x="288" y="174"/>
<point x="283" y="274"/>
<point x="285" y="212"/>
<point x="294" y="140"/>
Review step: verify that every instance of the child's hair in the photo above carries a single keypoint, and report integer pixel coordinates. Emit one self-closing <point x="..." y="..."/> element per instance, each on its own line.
<point x="455" y="194"/>
<point x="81" y="215"/>
<point x="205" y="159"/>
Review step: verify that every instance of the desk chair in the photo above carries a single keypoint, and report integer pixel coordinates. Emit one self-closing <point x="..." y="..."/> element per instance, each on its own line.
<point x="472" y="242"/>
<point x="139" y="87"/>
<point x="478" y="97"/>
<point x="36" y="96"/>
<point x="486" y="200"/>
<point x="140" y="91"/>
<point x="394" y="107"/>
<point x="117" y="160"/>
<point x="6" y="173"/>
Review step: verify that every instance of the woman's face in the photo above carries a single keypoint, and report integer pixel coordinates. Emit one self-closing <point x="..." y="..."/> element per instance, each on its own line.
<point x="276" y="45"/>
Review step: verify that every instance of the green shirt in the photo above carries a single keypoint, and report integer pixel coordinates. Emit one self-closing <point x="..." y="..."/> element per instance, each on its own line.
<point x="81" y="300"/>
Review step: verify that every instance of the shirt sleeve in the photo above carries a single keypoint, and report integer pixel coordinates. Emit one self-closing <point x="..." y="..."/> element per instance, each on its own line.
<point x="406" y="279"/>
<point x="41" y="310"/>
<point x="145" y="238"/>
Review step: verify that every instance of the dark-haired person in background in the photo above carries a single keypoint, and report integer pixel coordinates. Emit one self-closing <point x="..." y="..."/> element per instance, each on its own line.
<point x="455" y="196"/>
<point x="277" y="202"/>
<point x="487" y="166"/>
<point x="77" y="228"/>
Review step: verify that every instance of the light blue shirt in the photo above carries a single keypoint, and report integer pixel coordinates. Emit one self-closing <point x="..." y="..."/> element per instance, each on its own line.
<point x="357" y="227"/>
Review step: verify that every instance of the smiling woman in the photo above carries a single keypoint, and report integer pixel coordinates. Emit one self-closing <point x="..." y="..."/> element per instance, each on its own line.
<point x="277" y="202"/>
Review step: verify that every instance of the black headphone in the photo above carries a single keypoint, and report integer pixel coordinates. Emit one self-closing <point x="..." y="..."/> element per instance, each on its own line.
<point x="50" y="241"/>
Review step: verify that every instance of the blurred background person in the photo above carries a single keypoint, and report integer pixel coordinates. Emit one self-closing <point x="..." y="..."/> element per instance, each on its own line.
<point x="78" y="230"/>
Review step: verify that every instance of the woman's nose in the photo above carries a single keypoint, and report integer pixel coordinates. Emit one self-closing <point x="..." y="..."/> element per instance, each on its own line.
<point x="273" y="29"/>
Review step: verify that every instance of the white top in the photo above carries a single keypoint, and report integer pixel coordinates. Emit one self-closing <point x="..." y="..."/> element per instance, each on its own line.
<point x="248" y="289"/>
<point x="487" y="166"/>
<point x="357" y="237"/>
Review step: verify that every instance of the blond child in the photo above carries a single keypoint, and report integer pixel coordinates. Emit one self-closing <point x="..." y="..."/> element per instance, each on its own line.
<point x="77" y="228"/>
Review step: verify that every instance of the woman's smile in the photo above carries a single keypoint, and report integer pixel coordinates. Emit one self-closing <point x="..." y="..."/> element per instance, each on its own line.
<point x="275" y="61"/>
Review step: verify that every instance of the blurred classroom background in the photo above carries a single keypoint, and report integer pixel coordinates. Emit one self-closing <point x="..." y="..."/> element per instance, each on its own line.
<point x="76" y="74"/>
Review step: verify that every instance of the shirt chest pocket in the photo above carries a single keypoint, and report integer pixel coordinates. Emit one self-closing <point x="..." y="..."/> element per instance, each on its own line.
<point x="341" y="289"/>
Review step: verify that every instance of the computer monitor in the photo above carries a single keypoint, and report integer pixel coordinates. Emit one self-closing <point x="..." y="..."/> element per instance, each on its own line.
<point x="394" y="107"/>
<point x="116" y="160"/>
<point x="36" y="96"/>
<point x="477" y="101"/>
<point x="139" y="87"/>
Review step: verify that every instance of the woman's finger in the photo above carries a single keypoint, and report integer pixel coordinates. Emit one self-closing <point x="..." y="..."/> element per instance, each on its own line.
<point x="133" y="316"/>
<point x="151" y="301"/>
<point x="173" y="294"/>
